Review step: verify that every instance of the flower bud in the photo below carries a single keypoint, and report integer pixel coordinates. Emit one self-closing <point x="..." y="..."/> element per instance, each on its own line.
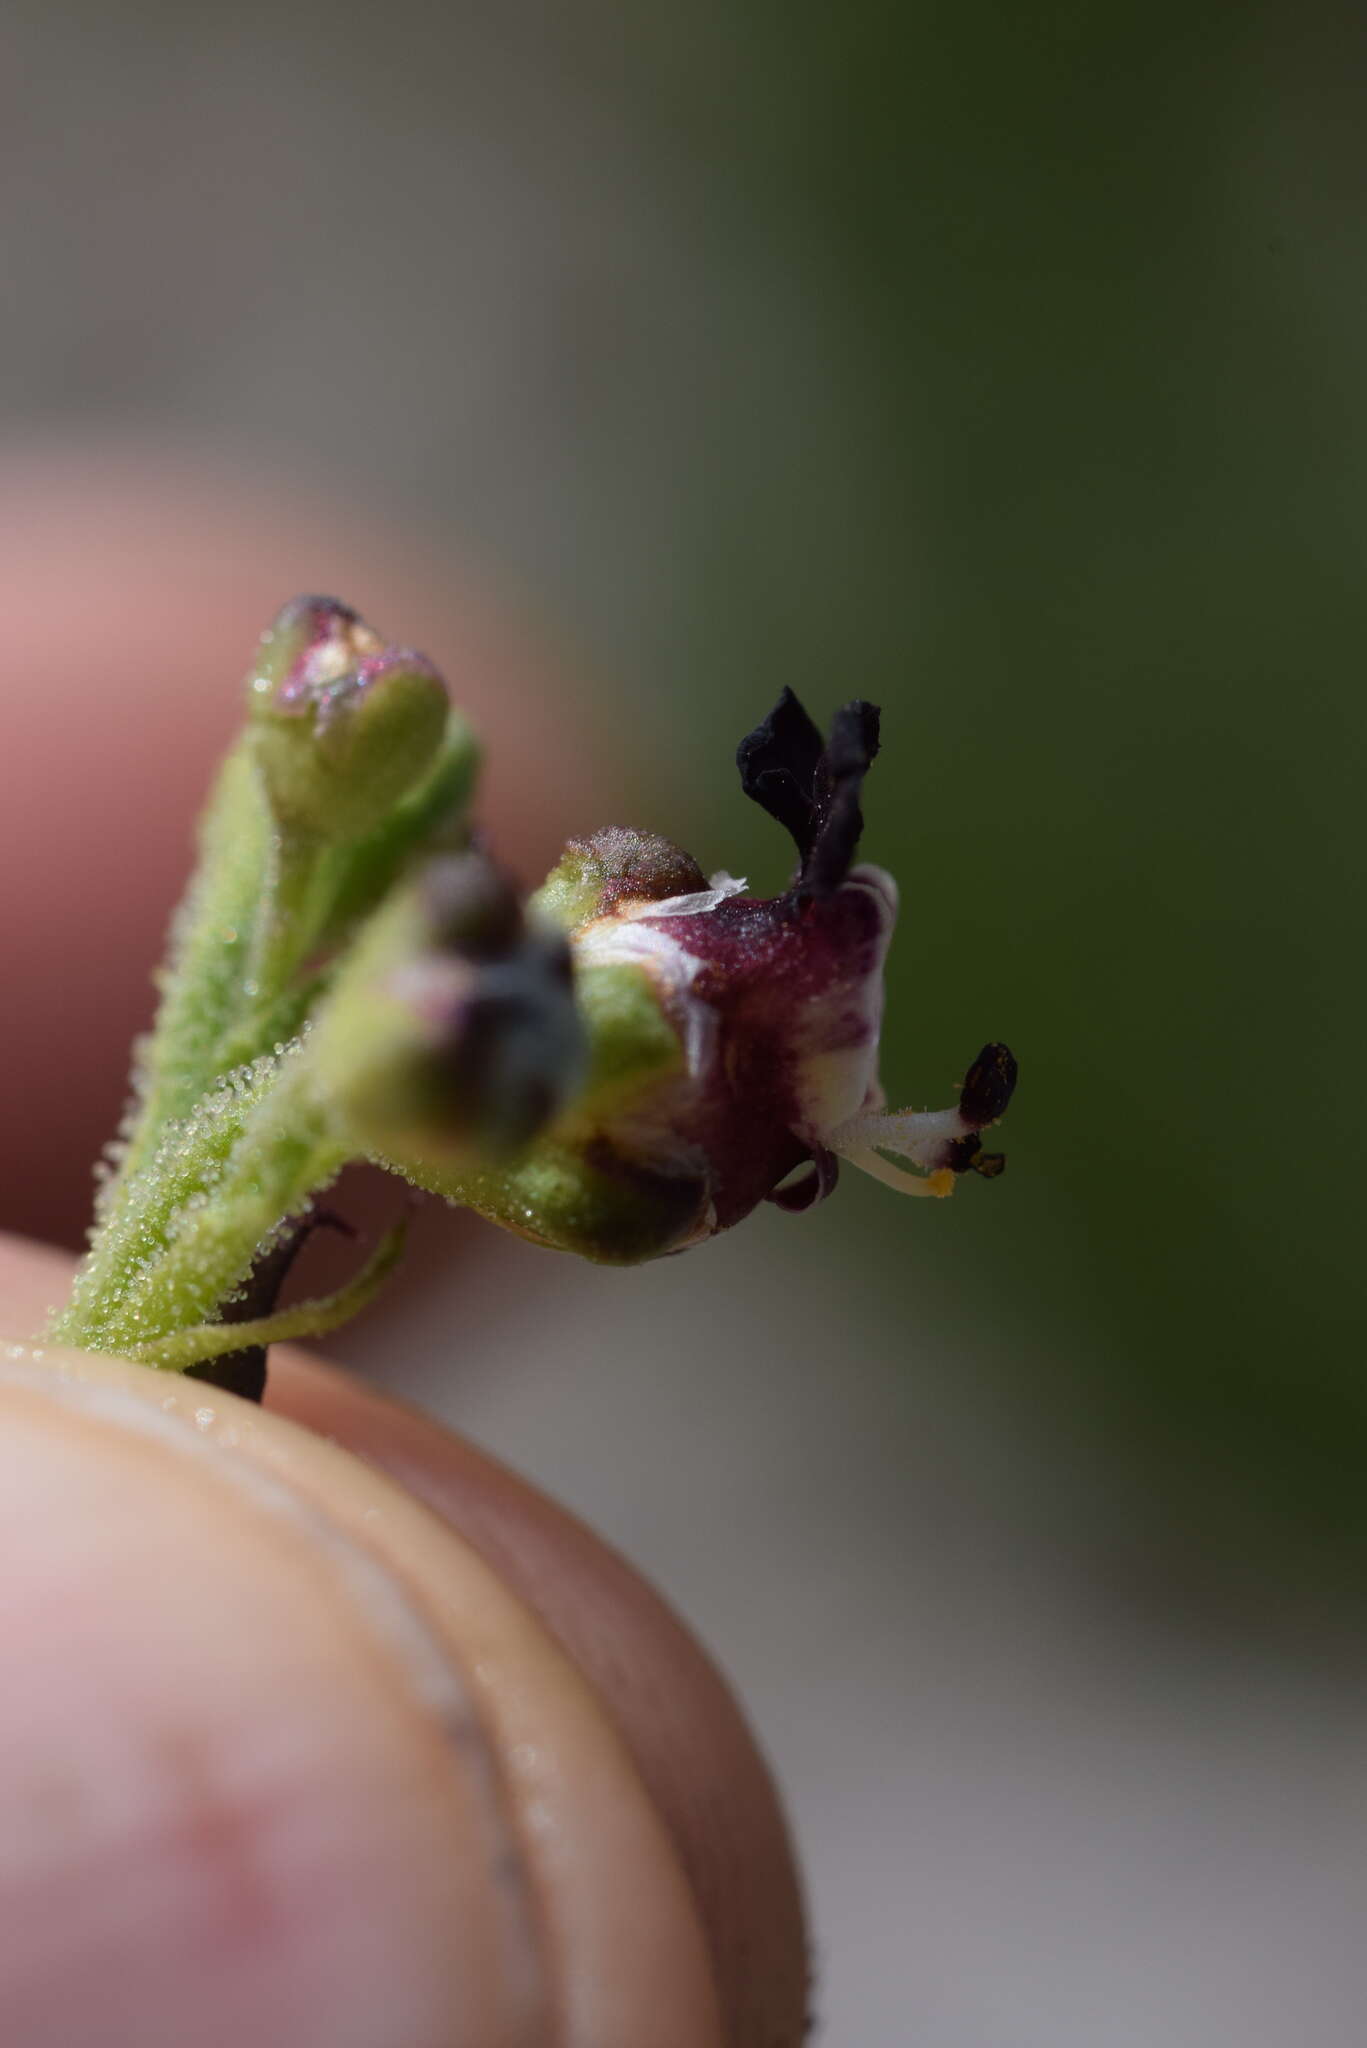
<point x="452" y="1034"/>
<point x="610" y="872"/>
<point x="342" y="725"/>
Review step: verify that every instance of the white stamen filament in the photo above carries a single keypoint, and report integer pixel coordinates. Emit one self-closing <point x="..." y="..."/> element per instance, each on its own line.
<point x="920" y="1139"/>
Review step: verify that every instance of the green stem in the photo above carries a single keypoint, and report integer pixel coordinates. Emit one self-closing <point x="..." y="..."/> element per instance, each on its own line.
<point x="304" y="1319"/>
<point x="287" y="1148"/>
<point x="186" y="1165"/>
<point x="202" y="983"/>
<point x="228" y="1135"/>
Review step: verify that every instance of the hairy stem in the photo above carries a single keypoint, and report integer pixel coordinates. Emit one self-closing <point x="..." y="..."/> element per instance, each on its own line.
<point x="186" y="1166"/>
<point x="234" y="1192"/>
<point x="202" y="982"/>
<point x="305" y="1319"/>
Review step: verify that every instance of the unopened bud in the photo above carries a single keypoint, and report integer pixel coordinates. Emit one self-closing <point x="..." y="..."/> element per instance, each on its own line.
<point x="610" y="871"/>
<point x="342" y="725"/>
<point x="452" y="1034"/>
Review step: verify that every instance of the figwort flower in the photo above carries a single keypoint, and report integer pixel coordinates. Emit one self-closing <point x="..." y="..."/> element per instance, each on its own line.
<point x="734" y="1039"/>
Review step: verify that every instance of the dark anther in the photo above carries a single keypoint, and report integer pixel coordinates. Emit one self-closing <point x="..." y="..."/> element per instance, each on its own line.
<point x="812" y="791"/>
<point x="990" y="1164"/>
<point x="963" y="1153"/>
<point x="988" y="1086"/>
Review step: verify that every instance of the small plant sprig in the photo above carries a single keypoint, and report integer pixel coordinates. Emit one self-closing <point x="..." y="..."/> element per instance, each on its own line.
<point x="621" y="1066"/>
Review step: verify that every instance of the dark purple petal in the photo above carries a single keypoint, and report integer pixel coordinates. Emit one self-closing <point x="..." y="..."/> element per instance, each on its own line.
<point x="840" y="778"/>
<point x="778" y="765"/>
<point x="812" y="1186"/>
<point x="812" y="791"/>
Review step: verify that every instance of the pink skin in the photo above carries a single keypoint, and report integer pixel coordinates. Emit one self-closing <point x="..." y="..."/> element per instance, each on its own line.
<point x="319" y="1726"/>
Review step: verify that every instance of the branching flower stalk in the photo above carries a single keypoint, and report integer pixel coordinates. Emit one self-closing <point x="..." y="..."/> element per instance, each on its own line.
<point x="620" y="1066"/>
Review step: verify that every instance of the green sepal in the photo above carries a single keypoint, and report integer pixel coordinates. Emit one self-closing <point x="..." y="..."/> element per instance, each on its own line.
<point x="632" y="1044"/>
<point x="361" y="874"/>
<point x="314" y="1318"/>
<point x="612" y="1213"/>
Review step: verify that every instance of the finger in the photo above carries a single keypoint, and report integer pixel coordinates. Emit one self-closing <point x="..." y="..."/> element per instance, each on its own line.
<point x="281" y="1759"/>
<point x="678" y="1719"/>
<point x="680" y="1722"/>
<point x="691" y="1752"/>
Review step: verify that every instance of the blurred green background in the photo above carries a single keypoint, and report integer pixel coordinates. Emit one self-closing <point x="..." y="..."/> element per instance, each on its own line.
<point x="1093" y="537"/>
<point x="1001" y="365"/>
<point x="1061" y="456"/>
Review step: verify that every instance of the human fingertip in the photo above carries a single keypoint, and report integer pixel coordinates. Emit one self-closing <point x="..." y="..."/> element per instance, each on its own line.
<point x="262" y="1779"/>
